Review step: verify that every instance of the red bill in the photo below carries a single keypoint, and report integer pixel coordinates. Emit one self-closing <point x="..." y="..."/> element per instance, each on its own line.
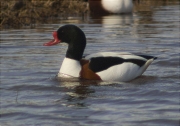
<point x="54" y="41"/>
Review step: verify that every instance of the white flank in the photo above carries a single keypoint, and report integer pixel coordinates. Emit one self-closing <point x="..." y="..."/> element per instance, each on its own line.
<point x="118" y="6"/>
<point x="69" y="68"/>
<point x="123" y="72"/>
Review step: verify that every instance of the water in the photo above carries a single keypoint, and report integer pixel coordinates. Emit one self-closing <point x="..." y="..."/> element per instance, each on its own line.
<point x="32" y="96"/>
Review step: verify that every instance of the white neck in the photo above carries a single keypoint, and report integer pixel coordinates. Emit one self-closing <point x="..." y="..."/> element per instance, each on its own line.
<point x="70" y="67"/>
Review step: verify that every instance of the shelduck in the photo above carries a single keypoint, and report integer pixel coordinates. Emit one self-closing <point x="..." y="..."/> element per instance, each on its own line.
<point x="105" y="66"/>
<point x="110" y="6"/>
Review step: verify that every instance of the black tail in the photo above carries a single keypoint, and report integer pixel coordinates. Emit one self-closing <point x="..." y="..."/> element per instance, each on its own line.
<point x="148" y="57"/>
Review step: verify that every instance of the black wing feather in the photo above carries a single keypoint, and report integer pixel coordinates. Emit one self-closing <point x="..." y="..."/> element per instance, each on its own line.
<point x="98" y="64"/>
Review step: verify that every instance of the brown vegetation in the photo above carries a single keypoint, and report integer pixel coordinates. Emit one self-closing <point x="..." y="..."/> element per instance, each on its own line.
<point x="17" y="13"/>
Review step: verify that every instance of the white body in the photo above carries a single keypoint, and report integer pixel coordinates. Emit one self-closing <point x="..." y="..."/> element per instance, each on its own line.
<point x="118" y="6"/>
<point x="121" y="72"/>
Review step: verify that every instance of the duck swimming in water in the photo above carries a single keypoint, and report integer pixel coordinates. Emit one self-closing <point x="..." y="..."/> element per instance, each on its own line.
<point x="110" y="6"/>
<point x="105" y="66"/>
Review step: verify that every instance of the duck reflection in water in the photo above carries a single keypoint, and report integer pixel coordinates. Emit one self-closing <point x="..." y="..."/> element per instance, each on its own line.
<point x="77" y="90"/>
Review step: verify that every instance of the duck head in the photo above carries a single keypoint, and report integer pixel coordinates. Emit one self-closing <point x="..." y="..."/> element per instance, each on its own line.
<point x="74" y="37"/>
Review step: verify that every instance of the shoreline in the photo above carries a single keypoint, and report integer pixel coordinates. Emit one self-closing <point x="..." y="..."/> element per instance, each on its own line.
<point x="20" y="13"/>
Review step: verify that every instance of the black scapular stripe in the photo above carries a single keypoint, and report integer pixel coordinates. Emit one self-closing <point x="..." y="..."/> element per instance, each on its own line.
<point x="98" y="64"/>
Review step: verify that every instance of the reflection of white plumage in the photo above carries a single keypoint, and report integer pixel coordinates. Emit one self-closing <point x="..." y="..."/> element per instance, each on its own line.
<point x="106" y="66"/>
